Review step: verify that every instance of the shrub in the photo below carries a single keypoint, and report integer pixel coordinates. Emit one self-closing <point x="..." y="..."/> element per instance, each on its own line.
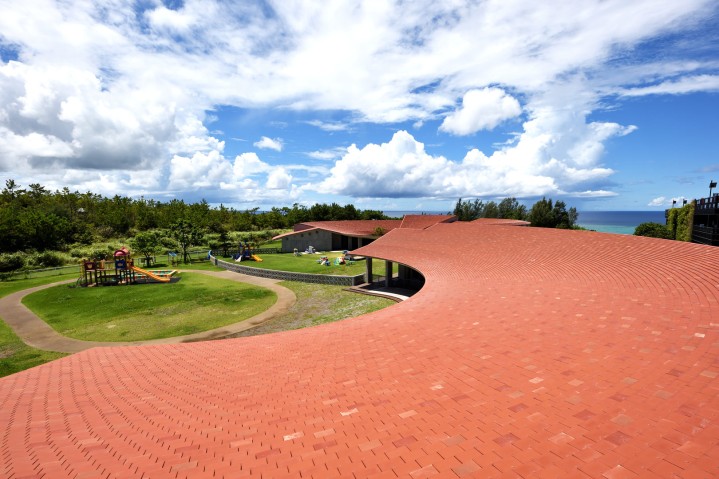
<point x="653" y="230"/>
<point x="48" y="259"/>
<point x="11" y="262"/>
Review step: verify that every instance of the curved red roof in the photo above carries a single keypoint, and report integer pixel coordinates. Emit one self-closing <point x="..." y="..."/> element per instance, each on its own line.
<point x="528" y="353"/>
<point x="425" y="221"/>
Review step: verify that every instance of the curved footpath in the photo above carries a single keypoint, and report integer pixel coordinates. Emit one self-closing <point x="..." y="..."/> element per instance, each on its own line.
<point x="37" y="333"/>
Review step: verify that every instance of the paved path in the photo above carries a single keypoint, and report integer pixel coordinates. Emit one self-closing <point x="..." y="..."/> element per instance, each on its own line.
<point x="37" y="333"/>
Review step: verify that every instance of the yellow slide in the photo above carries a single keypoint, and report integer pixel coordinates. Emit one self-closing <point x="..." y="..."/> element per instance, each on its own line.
<point x="149" y="274"/>
<point x="256" y="258"/>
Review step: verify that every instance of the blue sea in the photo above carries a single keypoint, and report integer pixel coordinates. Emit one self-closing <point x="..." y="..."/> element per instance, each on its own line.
<point x="619" y="222"/>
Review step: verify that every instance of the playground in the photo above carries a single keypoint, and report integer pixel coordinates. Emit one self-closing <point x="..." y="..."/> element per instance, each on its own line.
<point x="198" y="303"/>
<point x="246" y="253"/>
<point x="121" y="271"/>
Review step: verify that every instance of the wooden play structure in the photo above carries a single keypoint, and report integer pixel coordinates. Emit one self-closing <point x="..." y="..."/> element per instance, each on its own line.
<point x="122" y="272"/>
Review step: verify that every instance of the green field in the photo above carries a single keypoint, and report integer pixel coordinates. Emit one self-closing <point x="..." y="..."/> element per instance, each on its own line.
<point x="193" y="304"/>
<point x="316" y="304"/>
<point x="308" y="263"/>
<point x="15" y="355"/>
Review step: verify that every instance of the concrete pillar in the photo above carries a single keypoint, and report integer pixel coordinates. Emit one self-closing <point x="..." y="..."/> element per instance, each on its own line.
<point x="368" y="262"/>
<point x="387" y="273"/>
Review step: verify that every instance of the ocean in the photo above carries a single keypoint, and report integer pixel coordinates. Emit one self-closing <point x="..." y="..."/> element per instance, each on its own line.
<point x="619" y="222"/>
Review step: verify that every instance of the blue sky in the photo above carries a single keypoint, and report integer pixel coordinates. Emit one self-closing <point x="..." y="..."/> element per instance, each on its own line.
<point x="608" y="105"/>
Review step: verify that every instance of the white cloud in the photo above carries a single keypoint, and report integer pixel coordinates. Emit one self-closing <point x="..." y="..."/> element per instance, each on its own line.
<point x="329" y="126"/>
<point x="279" y="179"/>
<point x="691" y="84"/>
<point x="660" y="201"/>
<point x="109" y="87"/>
<point x="555" y="154"/>
<point x="327" y="155"/>
<point x="481" y="110"/>
<point x="249" y="164"/>
<point x="269" y="143"/>
<point x="664" y="201"/>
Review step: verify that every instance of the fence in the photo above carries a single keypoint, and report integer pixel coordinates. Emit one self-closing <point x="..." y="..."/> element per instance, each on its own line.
<point x="290" y="275"/>
<point x="41" y="273"/>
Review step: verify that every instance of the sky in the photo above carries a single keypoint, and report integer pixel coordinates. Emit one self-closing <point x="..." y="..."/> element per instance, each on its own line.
<point x="404" y="105"/>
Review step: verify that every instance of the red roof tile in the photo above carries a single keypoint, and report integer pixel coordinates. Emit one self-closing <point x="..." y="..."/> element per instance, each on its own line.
<point x="357" y="228"/>
<point x="500" y="222"/>
<point x="425" y="221"/>
<point x="530" y="352"/>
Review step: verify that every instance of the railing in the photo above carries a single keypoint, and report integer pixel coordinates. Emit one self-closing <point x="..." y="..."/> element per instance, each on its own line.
<point x="705" y="235"/>
<point x="290" y="275"/>
<point x="41" y="273"/>
<point x="707" y="206"/>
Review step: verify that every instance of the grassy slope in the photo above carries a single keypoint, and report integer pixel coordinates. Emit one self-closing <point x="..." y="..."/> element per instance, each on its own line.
<point x="319" y="304"/>
<point x="316" y="304"/>
<point x="148" y="311"/>
<point x="14" y="354"/>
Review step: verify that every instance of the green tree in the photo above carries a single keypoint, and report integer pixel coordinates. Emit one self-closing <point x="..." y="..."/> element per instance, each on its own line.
<point x="147" y="243"/>
<point x="510" y="208"/>
<point x="491" y="210"/>
<point x="187" y="235"/>
<point x="469" y="210"/>
<point x="542" y="214"/>
<point x="653" y="230"/>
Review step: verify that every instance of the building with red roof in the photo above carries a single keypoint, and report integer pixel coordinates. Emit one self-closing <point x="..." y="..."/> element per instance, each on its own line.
<point x="528" y="353"/>
<point x="351" y="234"/>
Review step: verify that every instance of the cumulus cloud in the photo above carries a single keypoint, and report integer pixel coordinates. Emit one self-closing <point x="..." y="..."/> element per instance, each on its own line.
<point x="269" y="143"/>
<point x="555" y="154"/>
<point x="279" y="179"/>
<point x="481" y="110"/>
<point x="107" y="87"/>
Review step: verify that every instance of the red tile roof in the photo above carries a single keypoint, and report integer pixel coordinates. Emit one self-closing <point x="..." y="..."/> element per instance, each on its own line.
<point x="501" y="222"/>
<point x="367" y="228"/>
<point x="357" y="228"/>
<point x="528" y="353"/>
<point x="425" y="221"/>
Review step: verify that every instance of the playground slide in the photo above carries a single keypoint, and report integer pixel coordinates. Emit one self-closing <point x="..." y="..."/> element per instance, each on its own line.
<point x="163" y="279"/>
<point x="256" y="258"/>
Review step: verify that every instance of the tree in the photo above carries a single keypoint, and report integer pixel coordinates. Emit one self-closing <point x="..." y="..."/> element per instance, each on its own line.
<point x="469" y="210"/>
<point x="653" y="230"/>
<point x="542" y="214"/>
<point x="187" y="235"/>
<point x="509" y="208"/>
<point x="147" y="243"/>
<point x="491" y="210"/>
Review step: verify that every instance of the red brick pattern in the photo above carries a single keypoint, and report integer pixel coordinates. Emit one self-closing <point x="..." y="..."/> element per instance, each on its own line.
<point x="529" y="353"/>
<point x="421" y="222"/>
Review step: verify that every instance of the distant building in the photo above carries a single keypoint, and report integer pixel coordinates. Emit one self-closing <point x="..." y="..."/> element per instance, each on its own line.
<point x="706" y="221"/>
<point x="351" y="234"/>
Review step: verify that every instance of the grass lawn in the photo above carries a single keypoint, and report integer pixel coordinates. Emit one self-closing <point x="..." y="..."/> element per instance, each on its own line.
<point x="319" y="304"/>
<point x="148" y="311"/>
<point x="15" y="355"/>
<point x="308" y="263"/>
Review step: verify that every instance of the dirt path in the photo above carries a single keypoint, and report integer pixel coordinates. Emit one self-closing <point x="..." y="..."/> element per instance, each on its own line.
<point x="37" y="333"/>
